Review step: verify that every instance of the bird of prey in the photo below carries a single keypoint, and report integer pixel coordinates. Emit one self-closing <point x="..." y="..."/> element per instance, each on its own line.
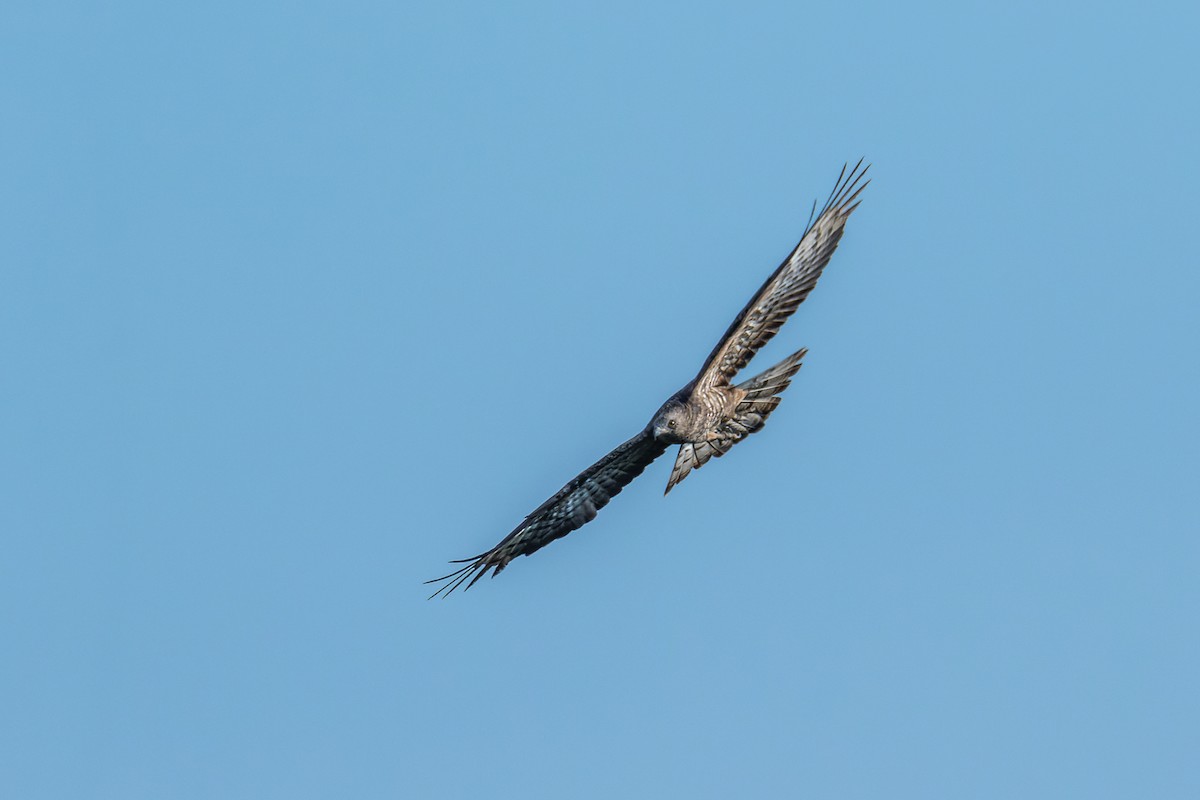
<point x="706" y="417"/>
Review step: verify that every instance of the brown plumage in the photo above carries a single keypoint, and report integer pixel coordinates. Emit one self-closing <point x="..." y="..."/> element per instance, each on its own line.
<point x="706" y="417"/>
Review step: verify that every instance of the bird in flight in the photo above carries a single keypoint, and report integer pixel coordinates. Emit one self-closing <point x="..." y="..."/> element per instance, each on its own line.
<point x="706" y="417"/>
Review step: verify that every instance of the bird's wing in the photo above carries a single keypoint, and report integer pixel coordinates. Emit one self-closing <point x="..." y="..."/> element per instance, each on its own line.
<point x="573" y="506"/>
<point x="787" y="287"/>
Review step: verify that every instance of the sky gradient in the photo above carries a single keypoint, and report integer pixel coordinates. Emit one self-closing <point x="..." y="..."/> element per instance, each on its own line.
<point x="300" y="301"/>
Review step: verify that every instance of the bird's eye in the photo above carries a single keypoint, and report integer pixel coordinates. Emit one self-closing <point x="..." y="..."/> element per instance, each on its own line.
<point x="671" y="423"/>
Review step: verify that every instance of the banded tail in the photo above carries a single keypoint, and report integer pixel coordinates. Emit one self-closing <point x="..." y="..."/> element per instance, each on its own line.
<point x="762" y="396"/>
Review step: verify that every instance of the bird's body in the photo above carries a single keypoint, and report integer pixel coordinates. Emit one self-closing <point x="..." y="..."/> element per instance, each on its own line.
<point x="695" y="414"/>
<point x="707" y="416"/>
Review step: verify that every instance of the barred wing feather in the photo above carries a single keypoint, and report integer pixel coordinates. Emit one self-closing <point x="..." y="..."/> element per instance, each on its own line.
<point x="570" y="508"/>
<point x="787" y="287"/>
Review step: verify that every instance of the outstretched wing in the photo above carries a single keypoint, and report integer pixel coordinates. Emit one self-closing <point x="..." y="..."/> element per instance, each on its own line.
<point x="787" y="287"/>
<point x="573" y="506"/>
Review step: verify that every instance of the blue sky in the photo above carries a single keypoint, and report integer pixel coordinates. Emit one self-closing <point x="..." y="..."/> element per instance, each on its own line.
<point x="299" y="301"/>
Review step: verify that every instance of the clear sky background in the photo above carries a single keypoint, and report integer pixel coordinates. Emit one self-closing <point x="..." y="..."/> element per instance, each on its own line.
<point x="299" y="301"/>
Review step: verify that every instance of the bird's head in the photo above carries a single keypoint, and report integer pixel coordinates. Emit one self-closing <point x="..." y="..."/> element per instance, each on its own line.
<point x="670" y="424"/>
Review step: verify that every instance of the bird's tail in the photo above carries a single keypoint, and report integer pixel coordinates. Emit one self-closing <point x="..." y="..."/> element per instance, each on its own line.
<point x="763" y="390"/>
<point x="762" y="396"/>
